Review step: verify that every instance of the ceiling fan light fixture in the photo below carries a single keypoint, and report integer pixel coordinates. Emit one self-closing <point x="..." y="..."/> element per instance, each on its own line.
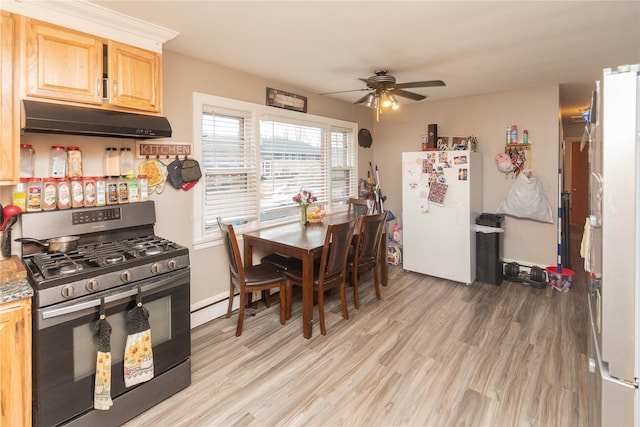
<point x="385" y="99"/>
<point x="395" y="105"/>
<point x="371" y="101"/>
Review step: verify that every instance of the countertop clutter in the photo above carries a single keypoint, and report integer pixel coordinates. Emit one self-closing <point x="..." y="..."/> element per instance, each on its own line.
<point x="13" y="280"/>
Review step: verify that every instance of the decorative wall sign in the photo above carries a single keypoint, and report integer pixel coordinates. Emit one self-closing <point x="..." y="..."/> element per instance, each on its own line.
<point x="286" y="100"/>
<point x="146" y="150"/>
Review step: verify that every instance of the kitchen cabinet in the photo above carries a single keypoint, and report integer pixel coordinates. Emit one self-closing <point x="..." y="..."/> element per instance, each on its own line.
<point x="9" y="135"/>
<point x="135" y="77"/>
<point x="15" y="363"/>
<point x="72" y="66"/>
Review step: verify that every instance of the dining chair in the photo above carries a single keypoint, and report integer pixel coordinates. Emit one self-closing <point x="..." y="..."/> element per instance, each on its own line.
<point x="259" y="277"/>
<point x="366" y="253"/>
<point x="358" y="207"/>
<point x="330" y="272"/>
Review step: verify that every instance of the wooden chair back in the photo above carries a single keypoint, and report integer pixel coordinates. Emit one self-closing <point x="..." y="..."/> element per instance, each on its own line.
<point x="333" y="262"/>
<point x="236" y="268"/>
<point x="358" y="207"/>
<point x="369" y="238"/>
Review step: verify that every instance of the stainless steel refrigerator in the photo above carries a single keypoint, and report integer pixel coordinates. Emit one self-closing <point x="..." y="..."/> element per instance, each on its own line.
<point x="612" y="260"/>
<point x="441" y="198"/>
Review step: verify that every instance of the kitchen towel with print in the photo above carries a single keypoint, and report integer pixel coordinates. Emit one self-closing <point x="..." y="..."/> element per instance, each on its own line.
<point x="102" y="390"/>
<point x="138" y="354"/>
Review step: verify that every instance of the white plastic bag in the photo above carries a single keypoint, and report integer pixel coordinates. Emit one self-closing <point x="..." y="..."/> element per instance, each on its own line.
<point x="526" y="199"/>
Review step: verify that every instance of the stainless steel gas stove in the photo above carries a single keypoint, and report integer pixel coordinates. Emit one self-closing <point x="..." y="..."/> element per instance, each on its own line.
<point x="118" y="259"/>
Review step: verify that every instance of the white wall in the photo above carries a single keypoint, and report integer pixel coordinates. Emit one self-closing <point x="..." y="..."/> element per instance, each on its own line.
<point x="487" y="117"/>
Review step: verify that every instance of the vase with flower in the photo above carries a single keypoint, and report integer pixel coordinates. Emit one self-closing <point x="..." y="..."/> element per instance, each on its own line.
<point x="304" y="198"/>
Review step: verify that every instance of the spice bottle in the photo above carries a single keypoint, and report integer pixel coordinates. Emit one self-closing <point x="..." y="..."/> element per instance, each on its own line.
<point x="112" y="190"/>
<point x="126" y="161"/>
<point x="77" y="192"/>
<point x="134" y="189"/>
<point x="34" y="195"/>
<point x="49" y="194"/>
<point x="143" y="184"/>
<point x="123" y="190"/>
<point x="101" y="191"/>
<point x="27" y="161"/>
<point x="74" y="162"/>
<point x="64" y="194"/>
<point x="112" y="162"/>
<point x="89" y="186"/>
<point x="57" y="162"/>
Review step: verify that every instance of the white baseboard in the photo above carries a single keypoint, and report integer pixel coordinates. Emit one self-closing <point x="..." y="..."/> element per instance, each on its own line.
<point x="210" y="312"/>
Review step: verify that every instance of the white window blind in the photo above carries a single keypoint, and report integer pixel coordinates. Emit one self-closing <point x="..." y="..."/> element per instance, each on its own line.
<point x="229" y="164"/>
<point x="292" y="157"/>
<point x="343" y="171"/>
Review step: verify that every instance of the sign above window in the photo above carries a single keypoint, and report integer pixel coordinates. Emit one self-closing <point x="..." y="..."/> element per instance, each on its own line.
<point x="287" y="100"/>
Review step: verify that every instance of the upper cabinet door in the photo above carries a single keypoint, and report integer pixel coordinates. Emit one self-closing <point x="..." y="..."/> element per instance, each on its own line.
<point x="63" y="64"/>
<point x="134" y="77"/>
<point x="9" y="137"/>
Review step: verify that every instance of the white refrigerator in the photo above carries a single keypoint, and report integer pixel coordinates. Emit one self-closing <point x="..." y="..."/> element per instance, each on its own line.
<point x="441" y="198"/>
<point x="612" y="261"/>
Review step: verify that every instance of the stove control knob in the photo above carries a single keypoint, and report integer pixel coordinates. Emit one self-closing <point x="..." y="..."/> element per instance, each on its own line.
<point x="69" y="291"/>
<point x="92" y="285"/>
<point x="125" y="276"/>
<point x="172" y="264"/>
<point x="156" y="268"/>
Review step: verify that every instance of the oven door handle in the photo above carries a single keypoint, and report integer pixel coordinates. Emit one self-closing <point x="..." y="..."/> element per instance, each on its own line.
<point x="49" y="314"/>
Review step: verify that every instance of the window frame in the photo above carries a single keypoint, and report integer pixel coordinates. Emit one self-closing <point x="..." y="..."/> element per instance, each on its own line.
<point x="203" y="238"/>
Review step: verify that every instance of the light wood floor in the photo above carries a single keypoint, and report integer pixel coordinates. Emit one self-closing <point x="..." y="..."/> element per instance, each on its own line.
<point x="430" y="353"/>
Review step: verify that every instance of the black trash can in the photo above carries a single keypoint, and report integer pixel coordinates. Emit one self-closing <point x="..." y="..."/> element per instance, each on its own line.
<point x="488" y="263"/>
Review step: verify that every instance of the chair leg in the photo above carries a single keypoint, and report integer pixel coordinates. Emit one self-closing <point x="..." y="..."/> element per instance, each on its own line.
<point x="323" y="329"/>
<point x="343" y="301"/>
<point x="230" y="299"/>
<point x="376" y="282"/>
<point x="241" y="314"/>
<point x="289" y="297"/>
<point x="283" y="303"/>
<point x="354" y="284"/>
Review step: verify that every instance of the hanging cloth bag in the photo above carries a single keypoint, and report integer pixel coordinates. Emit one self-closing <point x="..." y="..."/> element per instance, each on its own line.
<point x="190" y="170"/>
<point x="102" y="390"/>
<point x="526" y="199"/>
<point x="138" y="354"/>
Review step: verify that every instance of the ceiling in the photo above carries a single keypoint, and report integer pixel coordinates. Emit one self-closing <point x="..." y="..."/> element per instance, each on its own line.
<point x="476" y="47"/>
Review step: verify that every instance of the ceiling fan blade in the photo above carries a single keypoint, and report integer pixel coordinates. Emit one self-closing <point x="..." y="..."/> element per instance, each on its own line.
<point x="407" y="94"/>
<point x="343" y="91"/>
<point x="361" y="100"/>
<point x="427" y="83"/>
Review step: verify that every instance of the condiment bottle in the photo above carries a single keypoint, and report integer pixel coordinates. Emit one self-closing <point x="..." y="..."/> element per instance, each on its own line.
<point x="525" y="137"/>
<point x="134" y="189"/>
<point x="20" y="194"/>
<point x="123" y="190"/>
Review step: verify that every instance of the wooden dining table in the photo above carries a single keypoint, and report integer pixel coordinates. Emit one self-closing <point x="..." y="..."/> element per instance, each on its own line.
<point x="303" y="242"/>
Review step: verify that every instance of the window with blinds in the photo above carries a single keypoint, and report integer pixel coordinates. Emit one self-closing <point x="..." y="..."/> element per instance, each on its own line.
<point x="255" y="161"/>
<point x="229" y="163"/>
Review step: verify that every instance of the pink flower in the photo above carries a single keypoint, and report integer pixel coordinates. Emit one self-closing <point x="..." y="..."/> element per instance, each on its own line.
<point x="304" y="197"/>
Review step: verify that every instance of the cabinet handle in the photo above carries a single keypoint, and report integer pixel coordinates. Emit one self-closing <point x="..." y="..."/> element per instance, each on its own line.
<point x="17" y="332"/>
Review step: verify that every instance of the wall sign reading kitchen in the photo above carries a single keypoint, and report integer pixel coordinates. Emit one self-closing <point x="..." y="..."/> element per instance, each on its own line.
<point x="147" y="150"/>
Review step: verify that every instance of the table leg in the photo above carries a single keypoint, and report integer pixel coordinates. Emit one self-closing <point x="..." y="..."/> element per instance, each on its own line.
<point x="307" y="295"/>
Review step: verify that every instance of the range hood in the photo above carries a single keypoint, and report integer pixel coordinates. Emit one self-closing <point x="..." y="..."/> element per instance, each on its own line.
<point x="56" y="118"/>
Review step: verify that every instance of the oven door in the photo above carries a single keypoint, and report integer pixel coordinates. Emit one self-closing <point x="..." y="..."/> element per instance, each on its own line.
<point x="65" y="347"/>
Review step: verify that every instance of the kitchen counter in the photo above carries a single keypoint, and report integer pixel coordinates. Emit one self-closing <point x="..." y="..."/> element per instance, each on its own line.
<point x="13" y="280"/>
<point x="15" y="290"/>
